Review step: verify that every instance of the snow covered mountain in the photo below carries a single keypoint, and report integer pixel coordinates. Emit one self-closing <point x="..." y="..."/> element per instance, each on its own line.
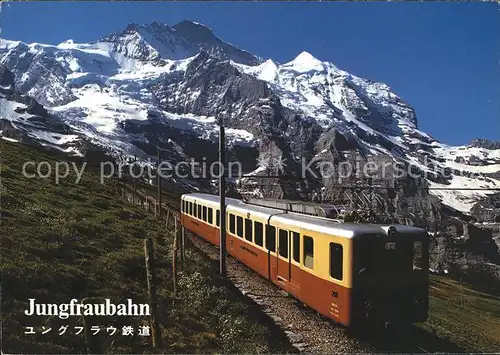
<point x="165" y="85"/>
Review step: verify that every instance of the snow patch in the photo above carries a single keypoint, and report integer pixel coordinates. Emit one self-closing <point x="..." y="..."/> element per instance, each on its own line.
<point x="305" y="62"/>
<point x="9" y="139"/>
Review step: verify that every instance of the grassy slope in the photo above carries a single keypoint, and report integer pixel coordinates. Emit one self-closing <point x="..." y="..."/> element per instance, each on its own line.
<point x="72" y="241"/>
<point x="468" y="318"/>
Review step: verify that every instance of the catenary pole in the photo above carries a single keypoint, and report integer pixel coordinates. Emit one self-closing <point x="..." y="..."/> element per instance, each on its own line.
<point x="159" y="183"/>
<point x="222" y="196"/>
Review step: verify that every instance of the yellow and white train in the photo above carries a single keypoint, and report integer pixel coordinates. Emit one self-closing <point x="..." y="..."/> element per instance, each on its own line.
<point x="351" y="273"/>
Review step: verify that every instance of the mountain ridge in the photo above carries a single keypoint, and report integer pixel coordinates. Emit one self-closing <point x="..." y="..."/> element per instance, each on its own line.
<point x="138" y="88"/>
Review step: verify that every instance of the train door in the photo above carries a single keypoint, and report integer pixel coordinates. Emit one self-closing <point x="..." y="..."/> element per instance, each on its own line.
<point x="283" y="261"/>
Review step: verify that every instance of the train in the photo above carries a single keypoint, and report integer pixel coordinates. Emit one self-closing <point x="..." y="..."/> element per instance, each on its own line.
<point x="354" y="274"/>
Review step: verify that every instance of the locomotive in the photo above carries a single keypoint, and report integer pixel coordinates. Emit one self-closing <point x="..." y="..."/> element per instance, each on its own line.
<point x="354" y="274"/>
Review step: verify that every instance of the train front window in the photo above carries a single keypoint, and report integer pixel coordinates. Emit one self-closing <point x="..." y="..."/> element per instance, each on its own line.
<point x="376" y="255"/>
<point x="191" y="208"/>
<point x="365" y="254"/>
<point x="394" y="260"/>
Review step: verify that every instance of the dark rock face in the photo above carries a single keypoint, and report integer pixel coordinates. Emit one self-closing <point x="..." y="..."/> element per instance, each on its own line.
<point x="8" y="130"/>
<point x="7" y="81"/>
<point x="203" y="36"/>
<point x="6" y="78"/>
<point x="210" y="87"/>
<point x="33" y="116"/>
<point x="474" y="258"/>
<point x="481" y="241"/>
<point x="373" y="115"/>
<point x="488" y="209"/>
<point x="475" y="246"/>
<point x="43" y="75"/>
<point x="485" y="143"/>
<point x="33" y="107"/>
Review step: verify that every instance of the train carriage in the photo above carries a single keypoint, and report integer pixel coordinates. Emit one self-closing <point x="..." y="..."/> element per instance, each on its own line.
<point x="351" y="273"/>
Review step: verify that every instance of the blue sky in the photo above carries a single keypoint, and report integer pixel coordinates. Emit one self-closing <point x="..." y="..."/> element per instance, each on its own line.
<point x="442" y="58"/>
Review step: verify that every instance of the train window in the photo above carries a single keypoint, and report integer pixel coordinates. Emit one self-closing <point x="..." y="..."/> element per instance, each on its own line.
<point x="308" y="252"/>
<point x="296" y="246"/>
<point x="195" y="209"/>
<point x="217" y="218"/>
<point x="336" y="260"/>
<point x="182" y="206"/>
<point x="232" y="224"/>
<point x="210" y="216"/>
<point x="239" y="226"/>
<point x="270" y="238"/>
<point x="191" y="208"/>
<point x="248" y="229"/>
<point x="417" y="255"/>
<point x="283" y="243"/>
<point x="259" y="234"/>
<point x="205" y="213"/>
<point x="199" y="212"/>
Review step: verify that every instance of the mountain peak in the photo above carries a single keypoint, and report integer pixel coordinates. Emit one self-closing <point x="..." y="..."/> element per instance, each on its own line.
<point x="305" y="62"/>
<point x="305" y="57"/>
<point x="131" y="27"/>
<point x="189" y="23"/>
<point x="268" y="71"/>
<point x="69" y="43"/>
<point x="194" y="31"/>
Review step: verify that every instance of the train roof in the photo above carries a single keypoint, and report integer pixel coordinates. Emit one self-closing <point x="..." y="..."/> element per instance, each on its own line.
<point x="319" y="224"/>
